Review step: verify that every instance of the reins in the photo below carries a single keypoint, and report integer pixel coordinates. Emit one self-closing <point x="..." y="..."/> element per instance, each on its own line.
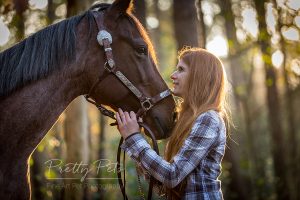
<point x="121" y="183"/>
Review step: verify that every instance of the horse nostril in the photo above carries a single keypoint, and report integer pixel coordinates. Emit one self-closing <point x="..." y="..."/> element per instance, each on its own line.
<point x="175" y="115"/>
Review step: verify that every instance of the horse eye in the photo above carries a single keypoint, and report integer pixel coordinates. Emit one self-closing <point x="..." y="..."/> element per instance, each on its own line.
<point x="142" y="50"/>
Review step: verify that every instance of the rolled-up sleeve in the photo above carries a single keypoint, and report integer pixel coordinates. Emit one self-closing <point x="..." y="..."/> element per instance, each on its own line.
<point x="196" y="146"/>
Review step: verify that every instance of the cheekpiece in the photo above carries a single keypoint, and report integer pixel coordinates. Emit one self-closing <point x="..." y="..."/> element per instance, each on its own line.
<point x="103" y="34"/>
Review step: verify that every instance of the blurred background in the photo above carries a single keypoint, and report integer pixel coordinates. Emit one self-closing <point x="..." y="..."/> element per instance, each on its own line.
<point x="259" y="44"/>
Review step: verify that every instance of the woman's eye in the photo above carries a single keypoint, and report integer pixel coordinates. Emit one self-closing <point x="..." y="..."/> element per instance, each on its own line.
<point x="142" y="50"/>
<point x="180" y="69"/>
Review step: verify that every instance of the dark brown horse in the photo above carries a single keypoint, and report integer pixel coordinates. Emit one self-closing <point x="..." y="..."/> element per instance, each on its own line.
<point x="41" y="75"/>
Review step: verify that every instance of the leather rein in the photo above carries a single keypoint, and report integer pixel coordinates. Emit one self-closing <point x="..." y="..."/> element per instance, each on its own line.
<point x="104" y="38"/>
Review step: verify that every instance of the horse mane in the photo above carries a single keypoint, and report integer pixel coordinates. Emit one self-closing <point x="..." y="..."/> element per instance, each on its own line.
<point x="48" y="50"/>
<point x="40" y="54"/>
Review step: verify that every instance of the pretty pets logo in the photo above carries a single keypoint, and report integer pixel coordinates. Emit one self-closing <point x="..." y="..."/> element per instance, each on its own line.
<point x="80" y="169"/>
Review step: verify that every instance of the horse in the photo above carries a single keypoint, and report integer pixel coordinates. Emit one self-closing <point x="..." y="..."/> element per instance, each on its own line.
<point x="41" y="75"/>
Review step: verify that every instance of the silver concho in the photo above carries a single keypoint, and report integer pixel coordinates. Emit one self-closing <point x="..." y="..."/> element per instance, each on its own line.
<point x="164" y="94"/>
<point x="103" y="34"/>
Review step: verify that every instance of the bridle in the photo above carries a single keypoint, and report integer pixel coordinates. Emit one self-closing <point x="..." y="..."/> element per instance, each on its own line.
<point x="104" y="38"/>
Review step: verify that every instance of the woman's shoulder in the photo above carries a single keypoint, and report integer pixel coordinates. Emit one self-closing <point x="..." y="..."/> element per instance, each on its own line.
<point x="210" y="120"/>
<point x="208" y="124"/>
<point x="210" y="115"/>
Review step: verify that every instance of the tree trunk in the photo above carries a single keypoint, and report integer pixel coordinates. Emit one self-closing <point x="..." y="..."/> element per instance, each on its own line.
<point x="237" y="186"/>
<point x="289" y="108"/>
<point x="239" y="80"/>
<point x="185" y="23"/>
<point x="201" y="29"/>
<point x="20" y="7"/>
<point x="278" y="147"/>
<point x="101" y="153"/>
<point x="77" y="144"/>
<point x="50" y="12"/>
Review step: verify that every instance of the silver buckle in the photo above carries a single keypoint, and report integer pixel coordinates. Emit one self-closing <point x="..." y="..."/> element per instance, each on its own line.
<point x="109" y="65"/>
<point x="146" y="104"/>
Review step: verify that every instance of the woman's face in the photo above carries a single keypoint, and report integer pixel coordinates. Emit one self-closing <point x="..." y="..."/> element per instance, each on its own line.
<point x="179" y="78"/>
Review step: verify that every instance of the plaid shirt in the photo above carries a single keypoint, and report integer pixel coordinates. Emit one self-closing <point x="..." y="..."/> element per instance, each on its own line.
<point x="198" y="160"/>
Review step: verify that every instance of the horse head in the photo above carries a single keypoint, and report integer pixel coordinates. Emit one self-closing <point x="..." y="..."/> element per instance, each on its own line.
<point x="132" y="54"/>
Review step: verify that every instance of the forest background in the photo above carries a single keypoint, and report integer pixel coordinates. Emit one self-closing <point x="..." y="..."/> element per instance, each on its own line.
<point x="259" y="43"/>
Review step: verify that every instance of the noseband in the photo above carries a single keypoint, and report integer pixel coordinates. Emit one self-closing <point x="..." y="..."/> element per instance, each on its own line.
<point x="104" y="38"/>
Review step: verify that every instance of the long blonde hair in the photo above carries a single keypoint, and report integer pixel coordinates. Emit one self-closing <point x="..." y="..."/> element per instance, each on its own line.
<point x="205" y="90"/>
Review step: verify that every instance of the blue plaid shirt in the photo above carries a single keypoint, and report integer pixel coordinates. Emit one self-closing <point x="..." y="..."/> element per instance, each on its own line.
<point x="198" y="161"/>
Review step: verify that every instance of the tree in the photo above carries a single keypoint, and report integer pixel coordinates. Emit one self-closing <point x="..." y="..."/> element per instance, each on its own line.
<point x="50" y="12"/>
<point x="274" y="115"/>
<point x="238" y="78"/>
<point x="20" y="7"/>
<point x="101" y="152"/>
<point x="77" y="142"/>
<point x="202" y="29"/>
<point x="289" y="107"/>
<point x="185" y="33"/>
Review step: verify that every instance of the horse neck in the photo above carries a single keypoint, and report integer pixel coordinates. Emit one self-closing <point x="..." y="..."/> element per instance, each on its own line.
<point x="29" y="113"/>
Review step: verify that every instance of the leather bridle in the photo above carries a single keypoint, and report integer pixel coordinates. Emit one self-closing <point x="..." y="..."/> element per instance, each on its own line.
<point x="104" y="38"/>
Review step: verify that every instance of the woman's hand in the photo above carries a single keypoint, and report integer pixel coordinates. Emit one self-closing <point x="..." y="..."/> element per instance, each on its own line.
<point x="127" y="123"/>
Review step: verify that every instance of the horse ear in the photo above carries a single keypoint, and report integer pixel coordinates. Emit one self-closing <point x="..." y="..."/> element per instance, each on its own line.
<point x="121" y="6"/>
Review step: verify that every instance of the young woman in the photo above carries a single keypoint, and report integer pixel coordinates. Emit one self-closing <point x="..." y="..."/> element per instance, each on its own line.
<point x="194" y="152"/>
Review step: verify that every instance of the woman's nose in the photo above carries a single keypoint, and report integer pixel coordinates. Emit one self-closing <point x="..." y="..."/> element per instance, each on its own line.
<point x="173" y="75"/>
